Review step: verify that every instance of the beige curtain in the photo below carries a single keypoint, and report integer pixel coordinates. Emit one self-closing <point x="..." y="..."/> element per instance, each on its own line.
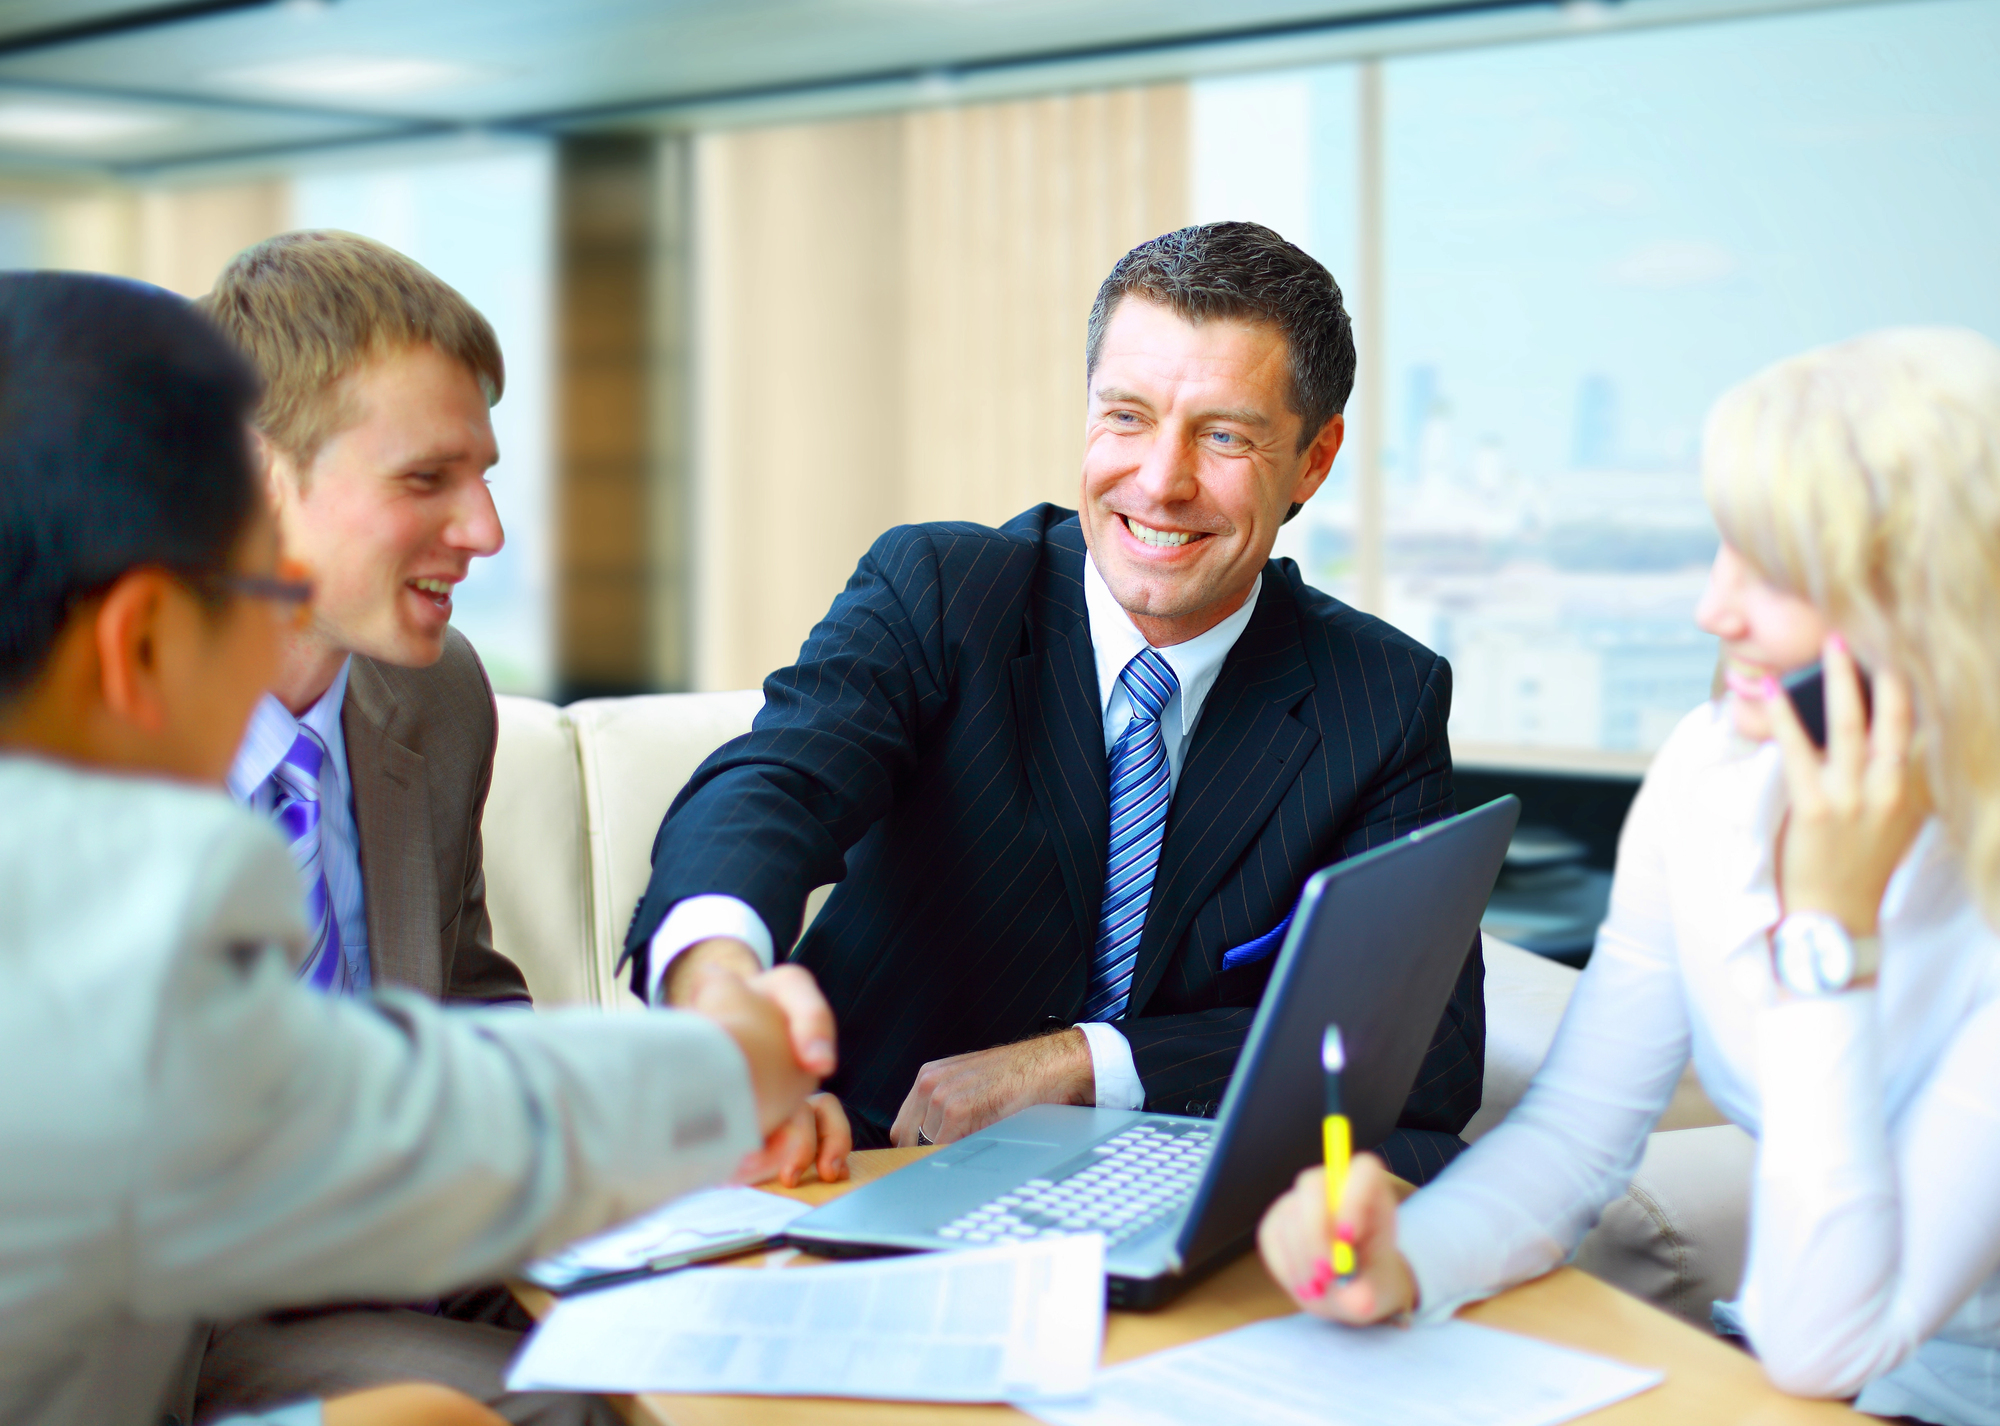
<point x="889" y="328"/>
<point x="177" y="238"/>
<point x="188" y="235"/>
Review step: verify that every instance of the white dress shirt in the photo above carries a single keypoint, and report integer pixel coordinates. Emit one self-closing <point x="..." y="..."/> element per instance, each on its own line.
<point x="269" y="737"/>
<point x="1875" y="1214"/>
<point x="1116" y="641"/>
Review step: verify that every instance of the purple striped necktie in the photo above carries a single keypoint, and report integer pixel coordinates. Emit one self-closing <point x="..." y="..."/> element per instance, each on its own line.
<point x="1141" y="788"/>
<point x="296" y="781"/>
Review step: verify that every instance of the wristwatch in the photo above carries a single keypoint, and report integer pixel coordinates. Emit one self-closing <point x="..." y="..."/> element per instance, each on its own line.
<point x="1814" y="955"/>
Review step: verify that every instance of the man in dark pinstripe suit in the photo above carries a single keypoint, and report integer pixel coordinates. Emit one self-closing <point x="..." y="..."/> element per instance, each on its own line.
<point x="1071" y="773"/>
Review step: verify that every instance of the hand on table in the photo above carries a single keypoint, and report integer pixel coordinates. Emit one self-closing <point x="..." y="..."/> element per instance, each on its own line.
<point x="962" y="1095"/>
<point x="816" y="1137"/>
<point x="1856" y="809"/>
<point x="1296" y="1242"/>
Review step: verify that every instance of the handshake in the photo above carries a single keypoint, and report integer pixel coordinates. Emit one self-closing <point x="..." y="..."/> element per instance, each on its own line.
<point x="784" y="1027"/>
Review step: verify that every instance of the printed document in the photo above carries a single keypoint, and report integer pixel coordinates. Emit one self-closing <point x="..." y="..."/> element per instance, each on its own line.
<point x="693" y="1229"/>
<point x="1011" y="1323"/>
<point x="1300" y="1371"/>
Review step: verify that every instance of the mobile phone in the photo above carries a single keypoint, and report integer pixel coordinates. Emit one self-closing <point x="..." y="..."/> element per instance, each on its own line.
<point x="1807" y="689"/>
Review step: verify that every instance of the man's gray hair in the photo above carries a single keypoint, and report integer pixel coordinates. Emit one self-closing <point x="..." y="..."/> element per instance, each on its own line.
<point x="1246" y="272"/>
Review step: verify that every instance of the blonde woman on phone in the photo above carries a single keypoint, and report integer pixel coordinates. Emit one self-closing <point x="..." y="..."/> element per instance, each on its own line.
<point x="1814" y="929"/>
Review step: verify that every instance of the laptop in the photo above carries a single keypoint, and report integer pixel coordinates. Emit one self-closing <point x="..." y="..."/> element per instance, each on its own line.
<point x="1376" y="947"/>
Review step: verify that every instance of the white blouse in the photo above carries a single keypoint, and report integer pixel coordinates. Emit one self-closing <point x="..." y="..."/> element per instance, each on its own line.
<point x="1875" y="1215"/>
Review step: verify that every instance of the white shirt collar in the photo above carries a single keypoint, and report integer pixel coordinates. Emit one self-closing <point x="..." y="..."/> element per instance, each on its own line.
<point x="273" y="730"/>
<point x="1117" y="641"/>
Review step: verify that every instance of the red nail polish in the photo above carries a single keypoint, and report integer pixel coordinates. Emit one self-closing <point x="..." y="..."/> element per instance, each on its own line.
<point x="1837" y="642"/>
<point x="1345" y="1232"/>
<point x="1322" y="1276"/>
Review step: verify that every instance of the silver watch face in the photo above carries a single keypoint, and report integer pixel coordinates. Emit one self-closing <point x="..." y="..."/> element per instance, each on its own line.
<point x="1833" y="957"/>
<point x="1814" y="955"/>
<point x="1794" y="963"/>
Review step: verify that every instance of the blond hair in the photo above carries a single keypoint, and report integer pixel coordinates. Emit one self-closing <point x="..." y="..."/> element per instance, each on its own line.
<point x="308" y="308"/>
<point x="1865" y="477"/>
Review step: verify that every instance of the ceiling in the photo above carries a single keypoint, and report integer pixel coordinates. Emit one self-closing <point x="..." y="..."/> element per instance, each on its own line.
<point x="113" y="85"/>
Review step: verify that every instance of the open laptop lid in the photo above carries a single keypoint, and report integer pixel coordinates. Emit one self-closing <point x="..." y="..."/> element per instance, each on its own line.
<point x="1376" y="947"/>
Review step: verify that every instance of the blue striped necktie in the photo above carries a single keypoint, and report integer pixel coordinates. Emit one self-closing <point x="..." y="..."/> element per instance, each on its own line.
<point x="1141" y="788"/>
<point x="296" y="781"/>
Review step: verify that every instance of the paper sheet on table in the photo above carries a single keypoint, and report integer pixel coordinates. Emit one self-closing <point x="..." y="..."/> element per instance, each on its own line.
<point x="1010" y="1323"/>
<point x="701" y="1225"/>
<point x="1300" y="1371"/>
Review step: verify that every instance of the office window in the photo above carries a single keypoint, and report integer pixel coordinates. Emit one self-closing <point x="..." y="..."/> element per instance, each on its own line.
<point x="1585" y="242"/>
<point x="480" y="218"/>
<point x="483" y="222"/>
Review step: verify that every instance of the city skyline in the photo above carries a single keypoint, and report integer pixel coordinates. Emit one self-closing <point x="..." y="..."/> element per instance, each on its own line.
<point x="1585" y="242"/>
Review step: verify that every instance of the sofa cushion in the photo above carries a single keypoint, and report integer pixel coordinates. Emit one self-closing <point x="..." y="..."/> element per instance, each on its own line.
<point x="634" y="756"/>
<point x="1678" y="1236"/>
<point x="537" y="878"/>
<point x="1526" y="996"/>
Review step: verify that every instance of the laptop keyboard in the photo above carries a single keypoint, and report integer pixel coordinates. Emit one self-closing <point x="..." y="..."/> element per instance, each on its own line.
<point x="1120" y="1188"/>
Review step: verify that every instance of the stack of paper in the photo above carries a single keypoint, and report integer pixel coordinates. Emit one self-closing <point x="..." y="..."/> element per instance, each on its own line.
<point x="687" y="1230"/>
<point x="1300" y="1371"/>
<point x="1012" y="1323"/>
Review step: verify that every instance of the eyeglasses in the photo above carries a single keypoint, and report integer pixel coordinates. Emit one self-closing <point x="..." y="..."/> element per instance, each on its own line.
<point x="282" y="589"/>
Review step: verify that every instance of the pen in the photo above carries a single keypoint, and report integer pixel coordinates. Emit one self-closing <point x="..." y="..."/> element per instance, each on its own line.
<point x="1339" y="1143"/>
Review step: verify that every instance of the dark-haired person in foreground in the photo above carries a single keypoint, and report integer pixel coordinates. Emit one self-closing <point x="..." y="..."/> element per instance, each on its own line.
<point x="1071" y="774"/>
<point x="186" y="1130"/>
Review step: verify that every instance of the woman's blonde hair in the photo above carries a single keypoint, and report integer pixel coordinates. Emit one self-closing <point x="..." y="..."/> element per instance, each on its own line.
<point x="1865" y="477"/>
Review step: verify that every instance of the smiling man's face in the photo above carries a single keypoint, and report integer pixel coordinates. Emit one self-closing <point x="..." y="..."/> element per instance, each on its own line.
<point x="1191" y="459"/>
<point x="394" y="507"/>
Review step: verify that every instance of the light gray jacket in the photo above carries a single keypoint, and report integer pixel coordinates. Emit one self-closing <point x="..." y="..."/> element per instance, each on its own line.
<point x="186" y="1132"/>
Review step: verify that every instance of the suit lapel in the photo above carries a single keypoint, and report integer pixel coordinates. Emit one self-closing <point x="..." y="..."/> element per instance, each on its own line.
<point x="1247" y="750"/>
<point x="1056" y="706"/>
<point x="392" y="819"/>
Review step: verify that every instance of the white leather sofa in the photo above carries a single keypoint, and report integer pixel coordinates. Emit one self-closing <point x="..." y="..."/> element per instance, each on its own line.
<point x="578" y="793"/>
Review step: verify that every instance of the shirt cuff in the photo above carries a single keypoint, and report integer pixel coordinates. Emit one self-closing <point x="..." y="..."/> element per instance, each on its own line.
<point x="696" y="919"/>
<point x="1117" y="1077"/>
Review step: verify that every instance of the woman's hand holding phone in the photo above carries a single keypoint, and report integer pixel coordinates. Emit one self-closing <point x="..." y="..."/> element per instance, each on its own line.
<point x="1296" y="1242"/>
<point x="1855" y="809"/>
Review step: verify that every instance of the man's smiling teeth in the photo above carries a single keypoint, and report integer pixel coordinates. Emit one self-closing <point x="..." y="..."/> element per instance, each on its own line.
<point x="440" y="587"/>
<point x="1147" y="535"/>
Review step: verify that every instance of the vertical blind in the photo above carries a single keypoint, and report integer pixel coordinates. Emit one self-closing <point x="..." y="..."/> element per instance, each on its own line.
<point x="890" y="328"/>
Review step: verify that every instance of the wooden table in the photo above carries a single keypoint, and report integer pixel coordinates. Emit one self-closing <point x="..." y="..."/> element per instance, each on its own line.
<point x="1707" y="1382"/>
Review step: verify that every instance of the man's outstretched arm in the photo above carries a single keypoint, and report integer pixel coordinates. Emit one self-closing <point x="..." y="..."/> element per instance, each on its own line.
<point x="770" y="815"/>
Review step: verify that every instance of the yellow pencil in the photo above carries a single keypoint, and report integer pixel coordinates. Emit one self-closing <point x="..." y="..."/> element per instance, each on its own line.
<point x="1339" y="1142"/>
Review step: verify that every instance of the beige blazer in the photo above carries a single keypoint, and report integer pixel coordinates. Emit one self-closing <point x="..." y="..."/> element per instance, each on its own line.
<point x="186" y="1132"/>
<point x="420" y="754"/>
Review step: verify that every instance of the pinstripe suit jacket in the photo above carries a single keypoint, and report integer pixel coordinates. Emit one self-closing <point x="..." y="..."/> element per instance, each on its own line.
<point x="938" y="749"/>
